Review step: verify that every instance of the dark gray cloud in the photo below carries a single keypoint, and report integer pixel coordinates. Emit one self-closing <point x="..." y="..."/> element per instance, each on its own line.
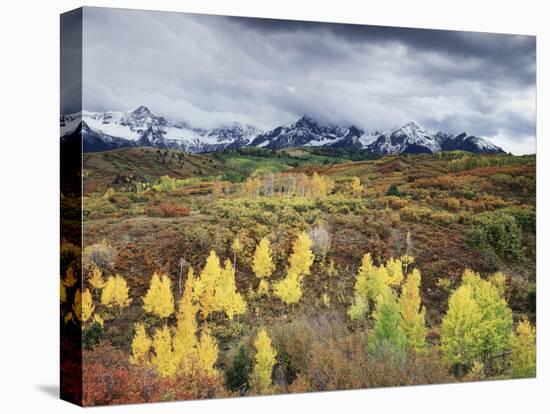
<point x="210" y="70"/>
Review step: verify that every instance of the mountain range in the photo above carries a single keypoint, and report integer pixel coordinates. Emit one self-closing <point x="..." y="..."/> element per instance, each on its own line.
<point x="101" y="131"/>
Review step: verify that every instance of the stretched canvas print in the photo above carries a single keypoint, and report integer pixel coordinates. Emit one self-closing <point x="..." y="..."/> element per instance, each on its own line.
<point x="255" y="206"/>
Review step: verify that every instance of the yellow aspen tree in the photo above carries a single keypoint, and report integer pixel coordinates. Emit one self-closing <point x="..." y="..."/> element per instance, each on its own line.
<point x="356" y="187"/>
<point x="236" y="248"/>
<point x="303" y="185"/>
<point x="302" y="257"/>
<point x="252" y="187"/>
<point x="209" y="279"/>
<point x="377" y="282"/>
<point x="227" y="297"/>
<point x="360" y="306"/>
<point x="289" y="290"/>
<point x="263" y="265"/>
<point x="83" y="306"/>
<point x="115" y="293"/>
<point x="499" y="281"/>
<point x="236" y="304"/>
<point x="141" y="344"/>
<point x="217" y="188"/>
<point x="387" y="337"/>
<point x="394" y="270"/>
<point x="185" y="340"/>
<point x="70" y="278"/>
<point x="264" y="362"/>
<point x="96" y="281"/>
<point x="163" y="358"/>
<point x="207" y="353"/>
<point x="524" y="351"/>
<point x="460" y="335"/>
<point x="159" y="299"/>
<point x="318" y="186"/>
<point x="413" y="315"/>
<point x="496" y="324"/>
<point x="62" y="292"/>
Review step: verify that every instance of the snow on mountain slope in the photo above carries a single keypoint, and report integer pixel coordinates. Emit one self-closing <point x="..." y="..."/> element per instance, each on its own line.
<point x="109" y="130"/>
<point x="304" y="132"/>
<point x="410" y="138"/>
<point x="141" y="127"/>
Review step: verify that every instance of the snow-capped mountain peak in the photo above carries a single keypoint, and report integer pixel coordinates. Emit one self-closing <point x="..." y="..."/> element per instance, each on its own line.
<point x="101" y="131"/>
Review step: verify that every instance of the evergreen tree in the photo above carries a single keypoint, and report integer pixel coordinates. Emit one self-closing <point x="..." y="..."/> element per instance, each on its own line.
<point x="264" y="361"/>
<point x="237" y="376"/>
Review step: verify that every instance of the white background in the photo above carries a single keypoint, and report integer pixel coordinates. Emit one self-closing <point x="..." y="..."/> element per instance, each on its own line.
<point x="29" y="225"/>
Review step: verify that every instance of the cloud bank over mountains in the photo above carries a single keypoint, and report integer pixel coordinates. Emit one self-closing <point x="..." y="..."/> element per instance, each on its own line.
<point x="214" y="70"/>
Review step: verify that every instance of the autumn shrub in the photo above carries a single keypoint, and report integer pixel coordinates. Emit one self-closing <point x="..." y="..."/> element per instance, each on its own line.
<point x="396" y="203"/>
<point x="498" y="232"/>
<point x="451" y="203"/>
<point x="526" y="217"/>
<point x="101" y="254"/>
<point x="415" y="213"/>
<point x="166" y="209"/>
<point x="108" y="378"/>
<point x="70" y="254"/>
<point x="120" y="200"/>
<point x="444" y="218"/>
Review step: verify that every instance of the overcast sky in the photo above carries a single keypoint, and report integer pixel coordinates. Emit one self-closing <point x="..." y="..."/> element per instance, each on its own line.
<point x="211" y="70"/>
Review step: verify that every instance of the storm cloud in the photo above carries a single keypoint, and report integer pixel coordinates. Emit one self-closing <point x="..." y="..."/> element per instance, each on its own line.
<point x="213" y="70"/>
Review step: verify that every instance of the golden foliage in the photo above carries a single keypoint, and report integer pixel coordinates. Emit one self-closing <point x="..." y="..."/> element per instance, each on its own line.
<point x="83" y="305"/>
<point x="209" y="279"/>
<point x="115" y="293"/>
<point x="356" y="186"/>
<point x="413" y="315"/>
<point x="524" y="351"/>
<point x="141" y="344"/>
<point x="97" y="281"/>
<point x="163" y="358"/>
<point x="302" y="257"/>
<point x="289" y="290"/>
<point x="207" y="353"/>
<point x="265" y="360"/>
<point x="62" y="292"/>
<point x="478" y="322"/>
<point x="159" y="299"/>
<point x="263" y="265"/>
<point x="70" y="279"/>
